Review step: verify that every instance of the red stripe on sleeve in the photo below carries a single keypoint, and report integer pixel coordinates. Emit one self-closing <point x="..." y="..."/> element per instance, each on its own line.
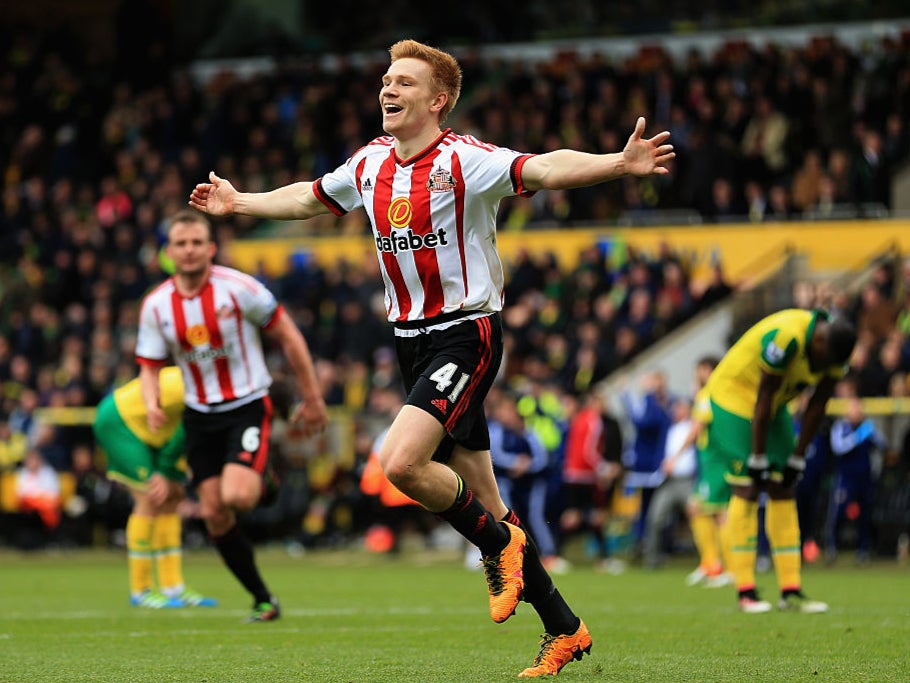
<point x="330" y="203"/>
<point x="151" y="362"/>
<point x="516" y="176"/>
<point x="272" y="321"/>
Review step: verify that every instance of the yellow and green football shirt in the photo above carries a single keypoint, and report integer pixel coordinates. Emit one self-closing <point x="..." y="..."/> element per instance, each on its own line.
<point x="777" y="344"/>
<point x="131" y="407"/>
<point x="702" y="413"/>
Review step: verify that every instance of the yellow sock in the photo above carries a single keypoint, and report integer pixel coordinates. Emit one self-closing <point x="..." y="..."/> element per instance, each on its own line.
<point x="168" y="552"/>
<point x="741" y="538"/>
<point x="782" y="527"/>
<point x="724" y="548"/>
<point x="707" y="541"/>
<point x="139" y="552"/>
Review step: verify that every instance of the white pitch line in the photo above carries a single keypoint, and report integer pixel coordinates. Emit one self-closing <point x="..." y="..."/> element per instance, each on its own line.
<point x="208" y="613"/>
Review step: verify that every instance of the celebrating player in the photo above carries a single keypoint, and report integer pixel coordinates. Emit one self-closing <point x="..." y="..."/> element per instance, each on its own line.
<point x="432" y="197"/>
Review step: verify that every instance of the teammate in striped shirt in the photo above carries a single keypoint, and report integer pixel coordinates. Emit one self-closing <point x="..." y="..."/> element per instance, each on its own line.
<point x="432" y="196"/>
<point x="209" y="319"/>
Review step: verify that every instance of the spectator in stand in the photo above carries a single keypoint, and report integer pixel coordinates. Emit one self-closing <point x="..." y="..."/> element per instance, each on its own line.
<point x="521" y="466"/>
<point x="780" y="206"/>
<point x="764" y="142"/>
<point x="871" y="174"/>
<point x="756" y="201"/>
<point x="648" y="409"/>
<point x="840" y="173"/>
<point x="716" y="289"/>
<point x="639" y="316"/>
<point x="855" y="441"/>
<point x="38" y="492"/>
<point x="592" y="469"/>
<point x="810" y="491"/>
<point x="876" y="316"/>
<point x="675" y="293"/>
<point x="672" y="495"/>
<point x="806" y="181"/>
<point x="13" y="445"/>
<point x="867" y="370"/>
<point x="724" y="205"/>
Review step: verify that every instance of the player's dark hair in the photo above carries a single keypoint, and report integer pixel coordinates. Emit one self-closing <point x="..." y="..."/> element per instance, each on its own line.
<point x="841" y="340"/>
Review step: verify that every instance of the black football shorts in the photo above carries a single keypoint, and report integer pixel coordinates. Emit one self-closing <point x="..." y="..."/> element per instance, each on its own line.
<point x="240" y="435"/>
<point x="448" y="372"/>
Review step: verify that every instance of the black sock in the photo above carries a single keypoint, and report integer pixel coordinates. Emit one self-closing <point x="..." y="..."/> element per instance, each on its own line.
<point x="540" y="592"/>
<point x="469" y="518"/>
<point x="237" y="553"/>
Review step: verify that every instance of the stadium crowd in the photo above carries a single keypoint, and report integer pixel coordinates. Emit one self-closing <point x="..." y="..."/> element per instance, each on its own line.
<point x="95" y="157"/>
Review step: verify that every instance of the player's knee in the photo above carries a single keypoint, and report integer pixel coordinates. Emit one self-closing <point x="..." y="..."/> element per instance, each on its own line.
<point x="218" y="519"/>
<point x="402" y="472"/>
<point x="241" y="498"/>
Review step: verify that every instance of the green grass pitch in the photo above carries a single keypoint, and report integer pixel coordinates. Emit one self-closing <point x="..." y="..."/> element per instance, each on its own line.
<point x="352" y="617"/>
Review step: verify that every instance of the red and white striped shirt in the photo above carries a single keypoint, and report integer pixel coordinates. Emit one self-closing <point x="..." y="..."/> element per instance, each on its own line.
<point x="433" y="218"/>
<point x="213" y="336"/>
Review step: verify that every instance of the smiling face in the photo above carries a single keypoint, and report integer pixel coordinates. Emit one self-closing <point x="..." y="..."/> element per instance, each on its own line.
<point x="411" y="105"/>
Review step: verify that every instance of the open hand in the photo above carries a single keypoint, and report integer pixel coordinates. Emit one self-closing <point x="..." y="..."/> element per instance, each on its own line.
<point x="644" y="156"/>
<point x="215" y="197"/>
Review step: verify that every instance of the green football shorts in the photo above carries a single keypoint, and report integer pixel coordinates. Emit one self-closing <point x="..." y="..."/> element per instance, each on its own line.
<point x="712" y="492"/>
<point x="730" y="442"/>
<point x="129" y="459"/>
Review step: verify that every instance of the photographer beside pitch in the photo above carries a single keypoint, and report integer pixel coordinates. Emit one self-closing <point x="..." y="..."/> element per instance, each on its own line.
<point x="432" y="197"/>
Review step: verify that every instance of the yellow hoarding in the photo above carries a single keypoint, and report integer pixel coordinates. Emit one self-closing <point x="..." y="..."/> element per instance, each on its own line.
<point x="744" y="250"/>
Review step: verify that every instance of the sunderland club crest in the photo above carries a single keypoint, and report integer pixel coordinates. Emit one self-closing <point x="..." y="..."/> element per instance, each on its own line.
<point x="441" y="180"/>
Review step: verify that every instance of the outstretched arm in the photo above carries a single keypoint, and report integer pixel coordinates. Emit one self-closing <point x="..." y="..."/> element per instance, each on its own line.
<point x="219" y="197"/>
<point x="565" y="168"/>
